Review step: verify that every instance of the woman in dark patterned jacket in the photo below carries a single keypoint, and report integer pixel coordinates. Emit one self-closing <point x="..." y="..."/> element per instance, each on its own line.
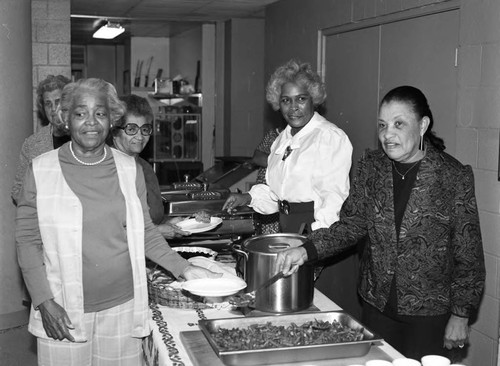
<point x="422" y="271"/>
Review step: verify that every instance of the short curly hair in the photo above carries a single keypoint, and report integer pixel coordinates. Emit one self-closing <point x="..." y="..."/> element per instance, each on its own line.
<point x="116" y="106"/>
<point x="299" y="73"/>
<point x="49" y="84"/>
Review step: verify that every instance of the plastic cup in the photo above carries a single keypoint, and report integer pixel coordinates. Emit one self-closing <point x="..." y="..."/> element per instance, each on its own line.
<point x="378" y="363"/>
<point x="406" y="362"/>
<point x="435" y="360"/>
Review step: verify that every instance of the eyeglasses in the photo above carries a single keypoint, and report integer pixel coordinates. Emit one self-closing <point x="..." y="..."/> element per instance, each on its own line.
<point x="131" y="129"/>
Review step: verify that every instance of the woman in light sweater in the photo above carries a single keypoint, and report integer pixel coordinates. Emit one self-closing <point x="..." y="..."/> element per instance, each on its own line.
<point x="83" y="231"/>
<point x="51" y="136"/>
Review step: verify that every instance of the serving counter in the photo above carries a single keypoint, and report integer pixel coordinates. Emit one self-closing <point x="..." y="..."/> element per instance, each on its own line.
<point x="177" y="340"/>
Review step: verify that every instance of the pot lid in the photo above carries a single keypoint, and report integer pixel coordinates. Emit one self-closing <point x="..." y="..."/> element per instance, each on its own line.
<point x="273" y="243"/>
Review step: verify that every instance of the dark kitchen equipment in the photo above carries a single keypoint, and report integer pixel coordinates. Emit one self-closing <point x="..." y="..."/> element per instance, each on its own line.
<point x="208" y="193"/>
<point x="291" y="294"/>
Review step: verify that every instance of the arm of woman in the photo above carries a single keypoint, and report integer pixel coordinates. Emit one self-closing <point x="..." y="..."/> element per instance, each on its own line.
<point x="29" y="243"/>
<point x="157" y="249"/>
<point x="327" y="242"/>
<point x="31" y="260"/>
<point x="155" y="246"/>
<point x="22" y="166"/>
<point x="260" y="158"/>
<point x="468" y="275"/>
<point x="330" y="179"/>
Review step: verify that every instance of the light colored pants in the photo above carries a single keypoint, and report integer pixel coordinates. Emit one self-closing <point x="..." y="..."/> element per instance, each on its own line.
<point x="109" y="342"/>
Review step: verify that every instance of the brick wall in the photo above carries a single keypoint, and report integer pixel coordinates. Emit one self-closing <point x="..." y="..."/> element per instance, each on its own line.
<point x="51" y="37"/>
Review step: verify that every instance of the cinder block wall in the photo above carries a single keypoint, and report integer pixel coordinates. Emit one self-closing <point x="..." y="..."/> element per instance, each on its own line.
<point x="51" y="37"/>
<point x="477" y="132"/>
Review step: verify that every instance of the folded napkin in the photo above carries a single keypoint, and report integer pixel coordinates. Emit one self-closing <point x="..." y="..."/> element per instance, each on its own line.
<point x="212" y="265"/>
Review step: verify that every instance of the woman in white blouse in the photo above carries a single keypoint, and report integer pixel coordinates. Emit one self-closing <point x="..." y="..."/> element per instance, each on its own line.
<point x="308" y="167"/>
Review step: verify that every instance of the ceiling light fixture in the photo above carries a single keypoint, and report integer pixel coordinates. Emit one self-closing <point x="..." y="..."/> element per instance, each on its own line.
<point x="109" y="31"/>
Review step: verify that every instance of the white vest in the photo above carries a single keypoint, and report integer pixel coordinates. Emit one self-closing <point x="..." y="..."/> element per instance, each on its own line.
<point x="60" y="221"/>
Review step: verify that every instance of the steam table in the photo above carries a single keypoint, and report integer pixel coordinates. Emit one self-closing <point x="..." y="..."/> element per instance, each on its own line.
<point x="176" y="339"/>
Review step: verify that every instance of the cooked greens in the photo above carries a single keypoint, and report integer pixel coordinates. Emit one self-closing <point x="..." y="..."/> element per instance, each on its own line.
<point x="260" y="336"/>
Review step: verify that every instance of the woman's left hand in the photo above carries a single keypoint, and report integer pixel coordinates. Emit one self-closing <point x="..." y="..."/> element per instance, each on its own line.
<point x="193" y="272"/>
<point x="456" y="333"/>
<point x="170" y="230"/>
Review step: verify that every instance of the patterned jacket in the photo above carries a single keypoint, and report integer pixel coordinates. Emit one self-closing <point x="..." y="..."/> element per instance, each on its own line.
<point x="438" y="261"/>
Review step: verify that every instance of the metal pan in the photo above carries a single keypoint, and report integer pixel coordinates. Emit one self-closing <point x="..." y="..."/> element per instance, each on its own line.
<point x="290" y="354"/>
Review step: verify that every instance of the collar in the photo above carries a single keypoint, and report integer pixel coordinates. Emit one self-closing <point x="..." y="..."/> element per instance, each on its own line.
<point x="294" y="141"/>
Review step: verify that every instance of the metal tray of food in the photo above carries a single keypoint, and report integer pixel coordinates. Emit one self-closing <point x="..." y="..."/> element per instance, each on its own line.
<point x="285" y="346"/>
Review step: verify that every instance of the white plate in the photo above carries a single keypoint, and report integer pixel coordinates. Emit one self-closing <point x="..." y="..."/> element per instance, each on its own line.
<point x="193" y="226"/>
<point x="214" y="287"/>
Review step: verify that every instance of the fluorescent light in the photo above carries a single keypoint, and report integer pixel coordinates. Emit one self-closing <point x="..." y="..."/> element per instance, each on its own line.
<point x="109" y="31"/>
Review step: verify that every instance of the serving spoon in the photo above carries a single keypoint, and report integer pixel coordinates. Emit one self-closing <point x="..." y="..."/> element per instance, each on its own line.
<point x="246" y="299"/>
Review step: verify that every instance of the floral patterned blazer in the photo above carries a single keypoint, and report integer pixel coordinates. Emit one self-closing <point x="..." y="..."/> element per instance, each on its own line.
<point x="437" y="261"/>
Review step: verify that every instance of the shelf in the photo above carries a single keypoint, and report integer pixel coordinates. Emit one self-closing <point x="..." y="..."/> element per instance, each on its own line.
<point x="174" y="96"/>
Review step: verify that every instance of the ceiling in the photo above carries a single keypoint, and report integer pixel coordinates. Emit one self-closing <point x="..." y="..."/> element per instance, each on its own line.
<point x="155" y="18"/>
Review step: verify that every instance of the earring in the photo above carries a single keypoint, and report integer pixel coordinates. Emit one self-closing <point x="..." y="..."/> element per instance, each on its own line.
<point x="421" y="144"/>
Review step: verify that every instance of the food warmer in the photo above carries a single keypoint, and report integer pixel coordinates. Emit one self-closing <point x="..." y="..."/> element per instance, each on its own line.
<point x="208" y="192"/>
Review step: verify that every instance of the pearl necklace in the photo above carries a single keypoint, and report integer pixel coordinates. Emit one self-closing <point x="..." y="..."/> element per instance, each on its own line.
<point x="85" y="163"/>
<point x="410" y="168"/>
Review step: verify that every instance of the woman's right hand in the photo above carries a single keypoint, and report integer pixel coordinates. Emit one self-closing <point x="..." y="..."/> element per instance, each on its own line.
<point x="55" y="320"/>
<point x="290" y="260"/>
<point x="236" y="200"/>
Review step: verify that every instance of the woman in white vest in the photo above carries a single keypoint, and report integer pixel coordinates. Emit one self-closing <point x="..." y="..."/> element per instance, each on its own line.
<point x="83" y="231"/>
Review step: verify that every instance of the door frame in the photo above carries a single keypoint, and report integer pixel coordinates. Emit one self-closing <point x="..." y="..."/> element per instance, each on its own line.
<point x="378" y="21"/>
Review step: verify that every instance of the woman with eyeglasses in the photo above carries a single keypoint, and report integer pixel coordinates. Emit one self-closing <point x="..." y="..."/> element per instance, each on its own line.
<point x="131" y="135"/>
<point x="83" y="231"/>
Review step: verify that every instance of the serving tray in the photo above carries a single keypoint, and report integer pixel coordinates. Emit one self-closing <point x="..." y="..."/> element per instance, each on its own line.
<point x="201" y="353"/>
<point x="283" y="355"/>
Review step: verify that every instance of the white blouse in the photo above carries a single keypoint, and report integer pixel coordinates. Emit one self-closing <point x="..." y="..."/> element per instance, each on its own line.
<point x="316" y="169"/>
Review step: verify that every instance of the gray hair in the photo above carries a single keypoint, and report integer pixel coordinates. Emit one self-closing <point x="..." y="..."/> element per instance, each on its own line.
<point x="49" y="84"/>
<point x="299" y="73"/>
<point x="116" y="107"/>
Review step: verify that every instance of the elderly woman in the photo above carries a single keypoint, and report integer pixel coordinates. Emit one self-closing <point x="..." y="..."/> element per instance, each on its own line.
<point x="307" y="177"/>
<point x="130" y="135"/>
<point x="49" y="137"/>
<point x="83" y="232"/>
<point x="422" y="272"/>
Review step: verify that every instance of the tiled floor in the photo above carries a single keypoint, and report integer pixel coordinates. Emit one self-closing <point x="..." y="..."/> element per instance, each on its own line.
<point x="17" y="347"/>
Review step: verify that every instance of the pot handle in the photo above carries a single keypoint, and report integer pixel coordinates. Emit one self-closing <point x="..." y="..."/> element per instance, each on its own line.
<point x="278" y="246"/>
<point x="237" y="249"/>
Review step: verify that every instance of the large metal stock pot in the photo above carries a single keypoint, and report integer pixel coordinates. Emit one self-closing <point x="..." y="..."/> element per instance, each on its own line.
<point x="288" y="294"/>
